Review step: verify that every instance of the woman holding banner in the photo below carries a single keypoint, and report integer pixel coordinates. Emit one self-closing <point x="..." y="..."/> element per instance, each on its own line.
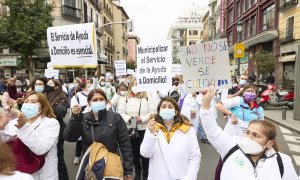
<point x="136" y="112"/>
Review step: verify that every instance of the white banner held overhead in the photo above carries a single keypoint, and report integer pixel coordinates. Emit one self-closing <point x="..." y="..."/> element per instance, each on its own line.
<point x="176" y="69"/>
<point x="73" y="45"/>
<point x="154" y="64"/>
<point x="51" y="73"/>
<point x="120" y="67"/>
<point x="130" y="71"/>
<point x="206" y="65"/>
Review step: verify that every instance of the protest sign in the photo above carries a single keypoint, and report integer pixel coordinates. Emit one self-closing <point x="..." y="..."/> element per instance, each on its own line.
<point x="73" y="45"/>
<point x="206" y="65"/>
<point x="154" y="64"/>
<point x="120" y="67"/>
<point x="108" y="74"/>
<point x="176" y="69"/>
<point x="130" y="71"/>
<point x="51" y="73"/>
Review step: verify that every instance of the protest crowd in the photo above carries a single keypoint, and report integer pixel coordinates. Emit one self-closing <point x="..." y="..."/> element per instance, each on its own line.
<point x="124" y="133"/>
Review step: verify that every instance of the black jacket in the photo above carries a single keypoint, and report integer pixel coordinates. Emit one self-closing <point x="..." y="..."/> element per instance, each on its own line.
<point x="110" y="130"/>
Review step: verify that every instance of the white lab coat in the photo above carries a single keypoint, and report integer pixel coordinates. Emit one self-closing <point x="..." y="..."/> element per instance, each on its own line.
<point x="40" y="137"/>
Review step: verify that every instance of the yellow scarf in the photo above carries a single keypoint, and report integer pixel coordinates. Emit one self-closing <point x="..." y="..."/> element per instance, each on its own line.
<point x="168" y="134"/>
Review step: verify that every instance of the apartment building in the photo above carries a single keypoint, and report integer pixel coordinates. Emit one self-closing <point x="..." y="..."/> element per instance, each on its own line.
<point x="120" y="32"/>
<point x="289" y="38"/>
<point x="259" y="20"/>
<point x="188" y="30"/>
<point x="133" y="41"/>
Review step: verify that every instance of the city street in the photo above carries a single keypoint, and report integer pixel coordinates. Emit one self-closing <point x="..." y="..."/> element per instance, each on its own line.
<point x="289" y="143"/>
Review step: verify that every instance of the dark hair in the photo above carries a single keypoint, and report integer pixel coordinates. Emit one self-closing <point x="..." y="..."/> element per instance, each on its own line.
<point x="269" y="130"/>
<point x="32" y="85"/>
<point x="175" y="104"/>
<point x="82" y="86"/>
<point x="57" y="83"/>
<point x="121" y="85"/>
<point x="92" y="93"/>
<point x="7" y="159"/>
<point x="178" y="117"/>
<point x="248" y="86"/>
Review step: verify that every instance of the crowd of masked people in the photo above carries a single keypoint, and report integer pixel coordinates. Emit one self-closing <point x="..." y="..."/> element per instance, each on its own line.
<point x="123" y="133"/>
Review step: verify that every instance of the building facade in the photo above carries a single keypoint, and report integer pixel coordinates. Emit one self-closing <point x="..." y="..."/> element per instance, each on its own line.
<point x="133" y="41"/>
<point x="188" y="30"/>
<point x="65" y="12"/>
<point x="289" y="38"/>
<point x="205" y="27"/>
<point x="259" y="19"/>
<point x="216" y="19"/>
<point x="120" y="32"/>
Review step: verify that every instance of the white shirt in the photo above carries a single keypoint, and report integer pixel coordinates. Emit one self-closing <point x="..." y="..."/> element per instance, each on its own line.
<point x="180" y="157"/>
<point x="18" y="175"/>
<point x="40" y="137"/>
<point x="238" y="166"/>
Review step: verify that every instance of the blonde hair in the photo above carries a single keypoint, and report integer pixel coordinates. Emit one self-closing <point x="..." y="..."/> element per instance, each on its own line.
<point x="139" y="95"/>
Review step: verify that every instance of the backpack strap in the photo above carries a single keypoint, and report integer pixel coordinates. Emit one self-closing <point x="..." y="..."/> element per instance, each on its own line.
<point x="230" y="152"/>
<point x="280" y="164"/>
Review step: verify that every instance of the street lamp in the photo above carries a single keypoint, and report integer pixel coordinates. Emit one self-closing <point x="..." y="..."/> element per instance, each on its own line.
<point x="129" y="23"/>
<point x="239" y="29"/>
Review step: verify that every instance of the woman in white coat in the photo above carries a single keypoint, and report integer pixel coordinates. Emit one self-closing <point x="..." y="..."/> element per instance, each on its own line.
<point x="38" y="130"/>
<point x="136" y="112"/>
<point x="171" y="144"/>
<point x="253" y="156"/>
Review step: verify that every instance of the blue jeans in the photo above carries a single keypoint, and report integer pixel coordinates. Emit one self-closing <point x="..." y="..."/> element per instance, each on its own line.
<point x="200" y="132"/>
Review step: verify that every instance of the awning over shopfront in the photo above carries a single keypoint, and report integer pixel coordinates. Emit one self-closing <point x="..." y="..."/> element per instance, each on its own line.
<point x="8" y="61"/>
<point x="102" y="59"/>
<point x="259" y="38"/>
<point x="287" y="58"/>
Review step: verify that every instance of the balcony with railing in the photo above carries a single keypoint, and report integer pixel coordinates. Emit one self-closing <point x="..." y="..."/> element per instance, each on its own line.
<point x="108" y="29"/>
<point x="289" y="35"/>
<point x="109" y="46"/>
<point x="71" y="12"/>
<point x="107" y="10"/>
<point x="287" y="4"/>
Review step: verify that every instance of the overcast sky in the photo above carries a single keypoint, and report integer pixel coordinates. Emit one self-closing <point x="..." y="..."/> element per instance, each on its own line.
<point x="153" y="18"/>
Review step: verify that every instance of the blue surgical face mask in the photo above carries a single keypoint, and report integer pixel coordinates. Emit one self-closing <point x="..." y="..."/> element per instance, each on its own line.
<point x="97" y="106"/>
<point x="39" y="89"/>
<point x="167" y="114"/>
<point x="242" y="82"/>
<point x="30" y="110"/>
<point x="107" y="84"/>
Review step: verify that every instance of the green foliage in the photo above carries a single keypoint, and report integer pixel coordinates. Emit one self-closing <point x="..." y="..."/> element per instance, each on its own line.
<point x="131" y="65"/>
<point x="25" y="27"/>
<point x="265" y="61"/>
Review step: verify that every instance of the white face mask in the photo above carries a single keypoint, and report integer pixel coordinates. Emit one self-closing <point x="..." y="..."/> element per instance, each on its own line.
<point x="134" y="89"/>
<point x="249" y="146"/>
<point x="123" y="93"/>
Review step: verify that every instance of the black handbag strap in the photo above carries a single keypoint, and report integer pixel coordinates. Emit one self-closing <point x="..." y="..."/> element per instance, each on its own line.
<point x="140" y="107"/>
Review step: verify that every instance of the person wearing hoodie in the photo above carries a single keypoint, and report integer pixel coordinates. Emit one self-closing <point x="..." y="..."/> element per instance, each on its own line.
<point x="255" y="155"/>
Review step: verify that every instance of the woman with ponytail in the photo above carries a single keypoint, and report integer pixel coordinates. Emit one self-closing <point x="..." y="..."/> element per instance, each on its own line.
<point x="253" y="156"/>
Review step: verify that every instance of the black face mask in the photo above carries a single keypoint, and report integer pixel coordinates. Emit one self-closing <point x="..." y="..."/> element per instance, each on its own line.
<point x="49" y="88"/>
